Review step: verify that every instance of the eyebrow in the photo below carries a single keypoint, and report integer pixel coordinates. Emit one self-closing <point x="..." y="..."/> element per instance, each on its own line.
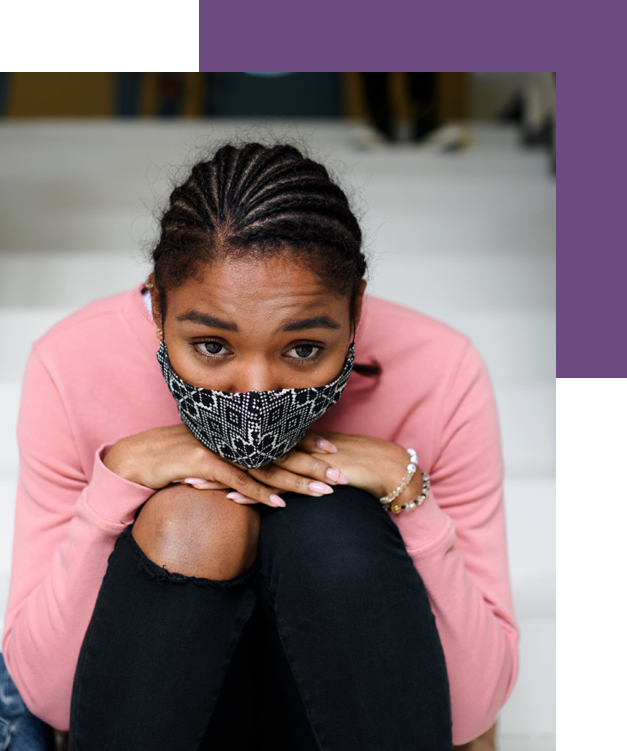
<point x="215" y="323"/>
<point x="319" y="322"/>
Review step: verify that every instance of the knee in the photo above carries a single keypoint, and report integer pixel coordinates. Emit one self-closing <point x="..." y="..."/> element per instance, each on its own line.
<point x="343" y="540"/>
<point x="198" y="533"/>
<point x="343" y="551"/>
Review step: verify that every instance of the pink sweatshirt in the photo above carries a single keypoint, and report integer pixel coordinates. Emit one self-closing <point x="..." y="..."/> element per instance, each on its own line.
<point x="94" y="378"/>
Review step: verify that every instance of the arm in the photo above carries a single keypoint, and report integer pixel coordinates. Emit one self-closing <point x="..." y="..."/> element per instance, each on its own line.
<point x="70" y="510"/>
<point x="457" y="542"/>
<point x="67" y="520"/>
<point x="456" y="538"/>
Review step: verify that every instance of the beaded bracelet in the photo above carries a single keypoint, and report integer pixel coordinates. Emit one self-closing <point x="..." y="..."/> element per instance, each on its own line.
<point x="396" y="508"/>
<point x="387" y="500"/>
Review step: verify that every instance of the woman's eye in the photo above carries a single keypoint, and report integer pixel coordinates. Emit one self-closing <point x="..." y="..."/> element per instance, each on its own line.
<point x="304" y="351"/>
<point x="211" y="348"/>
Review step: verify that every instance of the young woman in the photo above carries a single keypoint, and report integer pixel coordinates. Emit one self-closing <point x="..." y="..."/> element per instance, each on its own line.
<point x="212" y="549"/>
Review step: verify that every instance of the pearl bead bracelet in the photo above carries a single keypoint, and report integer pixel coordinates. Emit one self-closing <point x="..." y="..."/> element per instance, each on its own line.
<point x="387" y="501"/>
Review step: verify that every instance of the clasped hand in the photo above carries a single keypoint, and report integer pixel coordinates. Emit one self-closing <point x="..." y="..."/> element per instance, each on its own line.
<point x="322" y="460"/>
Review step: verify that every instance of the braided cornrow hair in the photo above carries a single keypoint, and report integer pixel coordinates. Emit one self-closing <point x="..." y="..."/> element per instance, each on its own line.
<point x="258" y="200"/>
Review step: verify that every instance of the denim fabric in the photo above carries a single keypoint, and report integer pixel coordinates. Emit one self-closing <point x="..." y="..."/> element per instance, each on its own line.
<point x="20" y="730"/>
<point x="328" y="644"/>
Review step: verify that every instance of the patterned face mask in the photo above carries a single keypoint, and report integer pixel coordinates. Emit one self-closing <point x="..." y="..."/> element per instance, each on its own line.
<point x="252" y="428"/>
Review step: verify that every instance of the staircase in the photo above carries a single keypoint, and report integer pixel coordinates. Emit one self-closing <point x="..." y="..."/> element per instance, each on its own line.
<point x="466" y="237"/>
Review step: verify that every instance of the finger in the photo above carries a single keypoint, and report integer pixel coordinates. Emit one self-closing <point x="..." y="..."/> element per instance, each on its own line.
<point x="308" y="465"/>
<point x="200" y="484"/>
<point x="313" y="442"/>
<point x="285" y="480"/>
<point x="241" y="481"/>
<point x="241" y="499"/>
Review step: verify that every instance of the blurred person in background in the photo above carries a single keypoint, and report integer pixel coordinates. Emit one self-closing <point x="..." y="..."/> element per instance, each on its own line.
<point x="422" y="98"/>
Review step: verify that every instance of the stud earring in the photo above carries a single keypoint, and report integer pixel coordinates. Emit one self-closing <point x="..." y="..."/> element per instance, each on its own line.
<point x="149" y="285"/>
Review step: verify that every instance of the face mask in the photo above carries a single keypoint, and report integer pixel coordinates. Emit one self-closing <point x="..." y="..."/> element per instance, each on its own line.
<point x="252" y="428"/>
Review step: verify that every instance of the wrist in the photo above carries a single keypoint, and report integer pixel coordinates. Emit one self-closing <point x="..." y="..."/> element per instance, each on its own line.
<point x="413" y="490"/>
<point x="410" y="491"/>
<point x="396" y="472"/>
<point x="116" y="460"/>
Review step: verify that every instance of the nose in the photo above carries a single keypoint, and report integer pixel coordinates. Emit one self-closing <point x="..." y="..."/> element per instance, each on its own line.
<point x="254" y="374"/>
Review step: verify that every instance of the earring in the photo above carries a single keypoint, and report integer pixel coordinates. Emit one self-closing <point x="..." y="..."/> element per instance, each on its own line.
<point x="160" y="334"/>
<point x="149" y="285"/>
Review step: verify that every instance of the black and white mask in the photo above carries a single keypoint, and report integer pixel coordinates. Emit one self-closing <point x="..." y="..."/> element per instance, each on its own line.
<point x="252" y="428"/>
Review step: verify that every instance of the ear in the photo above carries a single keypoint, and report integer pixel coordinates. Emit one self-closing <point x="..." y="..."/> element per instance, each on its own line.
<point x="359" y="299"/>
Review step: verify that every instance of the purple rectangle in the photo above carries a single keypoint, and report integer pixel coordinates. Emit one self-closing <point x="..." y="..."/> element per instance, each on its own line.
<point x="340" y="36"/>
<point x="581" y="44"/>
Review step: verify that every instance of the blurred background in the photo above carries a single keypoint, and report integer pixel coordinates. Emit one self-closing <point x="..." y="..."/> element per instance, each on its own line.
<point x="454" y="177"/>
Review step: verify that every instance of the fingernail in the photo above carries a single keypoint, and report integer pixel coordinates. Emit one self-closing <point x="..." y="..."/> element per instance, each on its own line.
<point x="195" y="480"/>
<point x="325" y="445"/>
<point x="320" y="487"/>
<point x="342" y="479"/>
<point x="276" y="500"/>
<point x="333" y="474"/>
<point x="234" y="496"/>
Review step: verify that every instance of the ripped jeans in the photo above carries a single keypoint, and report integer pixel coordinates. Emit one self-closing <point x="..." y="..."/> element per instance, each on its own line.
<point x="328" y="642"/>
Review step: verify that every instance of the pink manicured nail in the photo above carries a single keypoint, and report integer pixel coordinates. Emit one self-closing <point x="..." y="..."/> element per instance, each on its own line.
<point x="325" y="445"/>
<point x="195" y="480"/>
<point x="336" y="476"/>
<point x="235" y="496"/>
<point x="276" y="500"/>
<point x="320" y="487"/>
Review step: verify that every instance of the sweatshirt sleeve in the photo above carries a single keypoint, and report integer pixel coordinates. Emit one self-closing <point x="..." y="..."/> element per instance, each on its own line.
<point x="68" y="517"/>
<point x="457" y="542"/>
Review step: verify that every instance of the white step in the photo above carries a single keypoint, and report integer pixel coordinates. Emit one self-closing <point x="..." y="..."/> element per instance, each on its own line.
<point x="4" y="596"/>
<point x="432" y="190"/>
<point x="94" y="185"/>
<point x="67" y="280"/>
<point x="530" y="710"/>
<point x="19" y="328"/>
<point x="8" y="489"/>
<point x="480" y="225"/>
<point x="515" y="344"/>
<point x="9" y="407"/>
<point x="525" y="741"/>
<point x="465" y="282"/>
<point x="530" y="518"/>
<point x="527" y="417"/>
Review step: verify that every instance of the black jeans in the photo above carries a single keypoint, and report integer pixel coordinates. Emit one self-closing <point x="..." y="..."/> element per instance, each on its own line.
<point x="328" y="643"/>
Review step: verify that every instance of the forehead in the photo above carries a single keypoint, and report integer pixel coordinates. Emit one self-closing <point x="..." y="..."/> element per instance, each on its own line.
<point x="263" y="285"/>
